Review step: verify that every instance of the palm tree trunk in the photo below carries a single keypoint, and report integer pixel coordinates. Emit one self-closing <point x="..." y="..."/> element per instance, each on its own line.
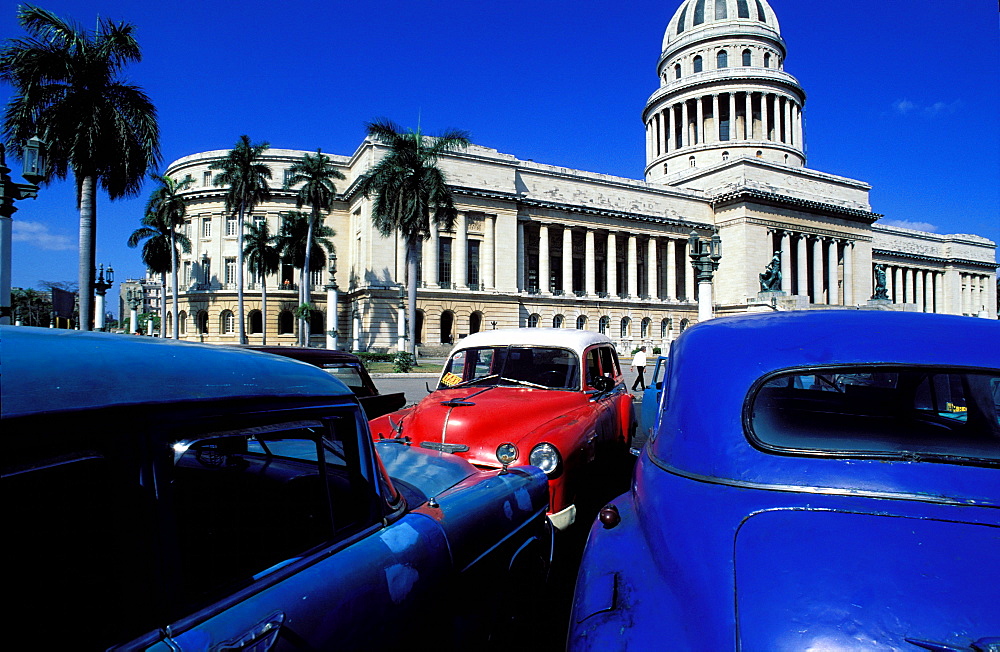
<point x="411" y="298"/>
<point x="88" y="243"/>
<point x="239" y="278"/>
<point x="175" y="327"/>
<point x="306" y="294"/>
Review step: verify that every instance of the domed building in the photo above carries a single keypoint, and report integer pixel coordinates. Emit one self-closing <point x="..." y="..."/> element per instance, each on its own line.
<point x="544" y="245"/>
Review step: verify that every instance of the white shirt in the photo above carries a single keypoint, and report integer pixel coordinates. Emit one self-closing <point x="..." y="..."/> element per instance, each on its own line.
<point x="639" y="359"/>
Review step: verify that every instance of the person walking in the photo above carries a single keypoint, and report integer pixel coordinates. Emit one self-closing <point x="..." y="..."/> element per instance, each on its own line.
<point x="639" y="363"/>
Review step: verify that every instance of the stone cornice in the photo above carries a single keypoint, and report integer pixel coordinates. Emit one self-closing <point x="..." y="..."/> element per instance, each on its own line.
<point x="795" y="229"/>
<point x="886" y="254"/>
<point x="636" y="217"/>
<point x="785" y="201"/>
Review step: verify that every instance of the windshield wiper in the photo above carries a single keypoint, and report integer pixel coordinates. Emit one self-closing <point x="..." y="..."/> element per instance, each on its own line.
<point x="472" y="381"/>
<point x="524" y="382"/>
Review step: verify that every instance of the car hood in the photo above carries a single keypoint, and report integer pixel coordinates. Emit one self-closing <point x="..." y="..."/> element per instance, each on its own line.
<point x="834" y="580"/>
<point x="482" y="418"/>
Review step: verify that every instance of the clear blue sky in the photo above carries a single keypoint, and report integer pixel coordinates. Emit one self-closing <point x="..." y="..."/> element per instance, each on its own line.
<point x="902" y="94"/>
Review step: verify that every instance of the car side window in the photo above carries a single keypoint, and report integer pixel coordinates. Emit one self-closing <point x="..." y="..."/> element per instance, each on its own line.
<point x="350" y="375"/>
<point x="247" y="501"/>
<point x="593" y="365"/>
<point x="609" y="362"/>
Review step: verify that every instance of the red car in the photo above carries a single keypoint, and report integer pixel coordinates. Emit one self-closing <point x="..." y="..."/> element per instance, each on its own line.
<point x="551" y="398"/>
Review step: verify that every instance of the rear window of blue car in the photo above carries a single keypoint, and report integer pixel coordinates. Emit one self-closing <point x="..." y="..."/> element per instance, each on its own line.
<point x="881" y="411"/>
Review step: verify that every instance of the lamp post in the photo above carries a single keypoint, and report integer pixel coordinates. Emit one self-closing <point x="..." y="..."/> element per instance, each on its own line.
<point x="401" y="320"/>
<point x="331" y="304"/>
<point x="134" y="299"/>
<point x="705" y="256"/>
<point x="101" y="287"/>
<point x="33" y="170"/>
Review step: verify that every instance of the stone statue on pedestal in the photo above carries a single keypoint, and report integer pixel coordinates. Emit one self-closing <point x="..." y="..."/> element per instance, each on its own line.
<point x="770" y="278"/>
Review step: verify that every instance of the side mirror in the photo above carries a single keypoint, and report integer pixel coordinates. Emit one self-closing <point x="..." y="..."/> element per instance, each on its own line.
<point x="603" y="384"/>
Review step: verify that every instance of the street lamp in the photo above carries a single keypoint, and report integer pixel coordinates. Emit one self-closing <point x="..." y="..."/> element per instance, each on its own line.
<point x="134" y="297"/>
<point x="101" y="287"/>
<point x="33" y="169"/>
<point x="705" y="256"/>
<point x="332" y="299"/>
<point x="401" y="320"/>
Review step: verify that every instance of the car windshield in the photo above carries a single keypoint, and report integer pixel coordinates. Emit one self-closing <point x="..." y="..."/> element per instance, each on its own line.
<point x="531" y="366"/>
<point x="889" y="410"/>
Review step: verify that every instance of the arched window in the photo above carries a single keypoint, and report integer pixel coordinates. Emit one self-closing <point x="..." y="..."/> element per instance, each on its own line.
<point x="475" y="322"/>
<point x="581" y="323"/>
<point x="698" y="64"/>
<point x="203" y="322"/>
<point x="761" y="16"/>
<point x="604" y="325"/>
<point x="626" y="327"/>
<point x="644" y="327"/>
<point x="691" y="162"/>
<point x="665" y="327"/>
<point x="419" y="327"/>
<point x="168" y="328"/>
<point x="683" y="19"/>
<point x="286" y="322"/>
<point x="747" y="58"/>
<point x="684" y="324"/>
<point x="742" y="9"/>
<point x="760" y="154"/>
<point x="227" y="322"/>
<point x="699" y="12"/>
<point x="677" y="71"/>
<point x="447" y="327"/>
<point x="767" y="59"/>
<point x="722" y="59"/>
<point x="255" y="323"/>
<point x="533" y="321"/>
<point x="558" y="321"/>
<point x="720" y="10"/>
<point x="666" y="168"/>
<point x="317" y="323"/>
<point x="725" y="156"/>
<point x="182" y="322"/>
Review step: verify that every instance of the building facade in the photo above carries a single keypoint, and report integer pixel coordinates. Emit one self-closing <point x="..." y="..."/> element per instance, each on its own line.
<point x="543" y="245"/>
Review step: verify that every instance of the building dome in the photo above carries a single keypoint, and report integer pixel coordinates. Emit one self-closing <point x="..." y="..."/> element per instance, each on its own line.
<point x="697" y="15"/>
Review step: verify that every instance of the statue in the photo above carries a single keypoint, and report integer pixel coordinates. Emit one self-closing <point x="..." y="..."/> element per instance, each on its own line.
<point x="881" y="291"/>
<point x="770" y="278"/>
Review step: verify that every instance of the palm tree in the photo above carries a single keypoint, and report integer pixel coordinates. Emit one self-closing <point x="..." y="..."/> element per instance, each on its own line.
<point x="262" y="258"/>
<point x="246" y="177"/>
<point x="67" y="88"/>
<point x="158" y="253"/>
<point x="169" y="209"/>
<point x="316" y="174"/>
<point x="292" y="239"/>
<point x="409" y="191"/>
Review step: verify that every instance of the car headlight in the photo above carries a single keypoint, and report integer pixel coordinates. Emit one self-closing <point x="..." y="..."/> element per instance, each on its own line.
<point x="507" y="454"/>
<point x="546" y="457"/>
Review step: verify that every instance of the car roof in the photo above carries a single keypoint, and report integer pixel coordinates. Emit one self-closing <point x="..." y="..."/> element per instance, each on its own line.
<point x="566" y="338"/>
<point x="53" y="370"/>
<point x="714" y="364"/>
<point x="306" y="354"/>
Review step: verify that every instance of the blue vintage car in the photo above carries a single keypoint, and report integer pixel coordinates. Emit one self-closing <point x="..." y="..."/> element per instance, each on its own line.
<point x="170" y="496"/>
<point x="824" y="480"/>
<point x="649" y="408"/>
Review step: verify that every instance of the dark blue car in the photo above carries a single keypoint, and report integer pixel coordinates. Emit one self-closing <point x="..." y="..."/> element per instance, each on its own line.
<point x="824" y="480"/>
<point x="171" y="496"/>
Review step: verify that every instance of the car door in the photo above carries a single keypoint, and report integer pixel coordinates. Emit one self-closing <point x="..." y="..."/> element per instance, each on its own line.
<point x="283" y="541"/>
<point x="650" y="406"/>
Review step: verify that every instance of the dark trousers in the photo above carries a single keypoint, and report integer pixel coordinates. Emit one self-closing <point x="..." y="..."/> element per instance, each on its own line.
<point x="640" y="379"/>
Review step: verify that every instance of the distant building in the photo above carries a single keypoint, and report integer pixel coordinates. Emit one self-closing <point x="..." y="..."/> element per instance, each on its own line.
<point x="544" y="245"/>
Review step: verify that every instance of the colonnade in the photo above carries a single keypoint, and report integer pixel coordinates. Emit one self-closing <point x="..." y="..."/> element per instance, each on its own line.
<point x="479" y="259"/>
<point x="710" y="119"/>
<point x="554" y="259"/>
<point x="818" y="266"/>
<point x="976" y="295"/>
<point x="920" y="286"/>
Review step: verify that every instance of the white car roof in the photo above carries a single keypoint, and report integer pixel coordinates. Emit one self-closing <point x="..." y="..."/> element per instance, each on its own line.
<point x="566" y="338"/>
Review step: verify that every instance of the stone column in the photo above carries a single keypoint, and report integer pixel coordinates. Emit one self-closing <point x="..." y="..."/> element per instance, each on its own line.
<point x="567" y="261"/>
<point x="818" y="297"/>
<point x="652" y="268"/>
<point x="776" y="112"/>
<point x="717" y="123"/>
<point x="356" y="332"/>
<point x="543" y="259"/>
<point x="522" y="279"/>
<point x="632" y="268"/>
<point x="688" y="273"/>
<point x="590" y="263"/>
<point x="490" y="255"/>
<point x="672" y="125"/>
<point x="803" y="266"/>
<point x="929" y="291"/>
<point x="671" y="294"/>
<point x="431" y="257"/>
<point x="849" y="299"/>
<point x="460" y="252"/>
<point x="765" y="130"/>
<point x="612" y="263"/>
<point x="400" y="328"/>
<point x="939" y="292"/>
<point x="699" y="129"/>
<point x="789" y="138"/>
<point x="908" y="285"/>
<point x="800" y="135"/>
<point x="732" y="116"/>
<point x="890" y="283"/>
<point x="833" y="297"/>
<point x="649" y="140"/>
<point x="686" y="129"/>
<point x="918" y="289"/>
<point x="786" y="263"/>
<point x="748" y="117"/>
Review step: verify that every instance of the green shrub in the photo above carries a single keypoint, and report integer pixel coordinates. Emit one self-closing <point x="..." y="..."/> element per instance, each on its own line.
<point x="402" y="362"/>
<point x="657" y="350"/>
<point x="368" y="357"/>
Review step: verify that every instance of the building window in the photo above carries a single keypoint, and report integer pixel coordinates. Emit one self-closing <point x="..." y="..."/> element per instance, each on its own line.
<point x="447" y="327"/>
<point x="581" y="323"/>
<point x="315" y="278"/>
<point x="255" y="322"/>
<point x="677" y="71"/>
<point x="286" y="322"/>
<point x="475" y="322"/>
<point x="182" y="320"/>
<point x="287" y="174"/>
<point x="230" y="271"/>
<point x="683" y="19"/>
<point x="747" y="58"/>
<point x="722" y="59"/>
<point x="720" y="10"/>
<point x="227" y="322"/>
<point x="691" y="162"/>
<point x="186" y="278"/>
<point x="698" y="64"/>
<point x="206" y="270"/>
<point x="699" y="12"/>
<point x="665" y="327"/>
<point x="644" y="327"/>
<point x="761" y="16"/>
<point x="742" y="8"/>
<point x="206" y="227"/>
<point x="472" y="264"/>
<point x="533" y="321"/>
<point x="604" y="325"/>
<point x="558" y="321"/>
<point x="230" y="225"/>
<point x="626" y="327"/>
<point x="684" y="324"/>
<point x="444" y="262"/>
<point x="760" y="154"/>
<point x="206" y="179"/>
<point x="725" y="155"/>
<point x="767" y="60"/>
<point x="665" y="168"/>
